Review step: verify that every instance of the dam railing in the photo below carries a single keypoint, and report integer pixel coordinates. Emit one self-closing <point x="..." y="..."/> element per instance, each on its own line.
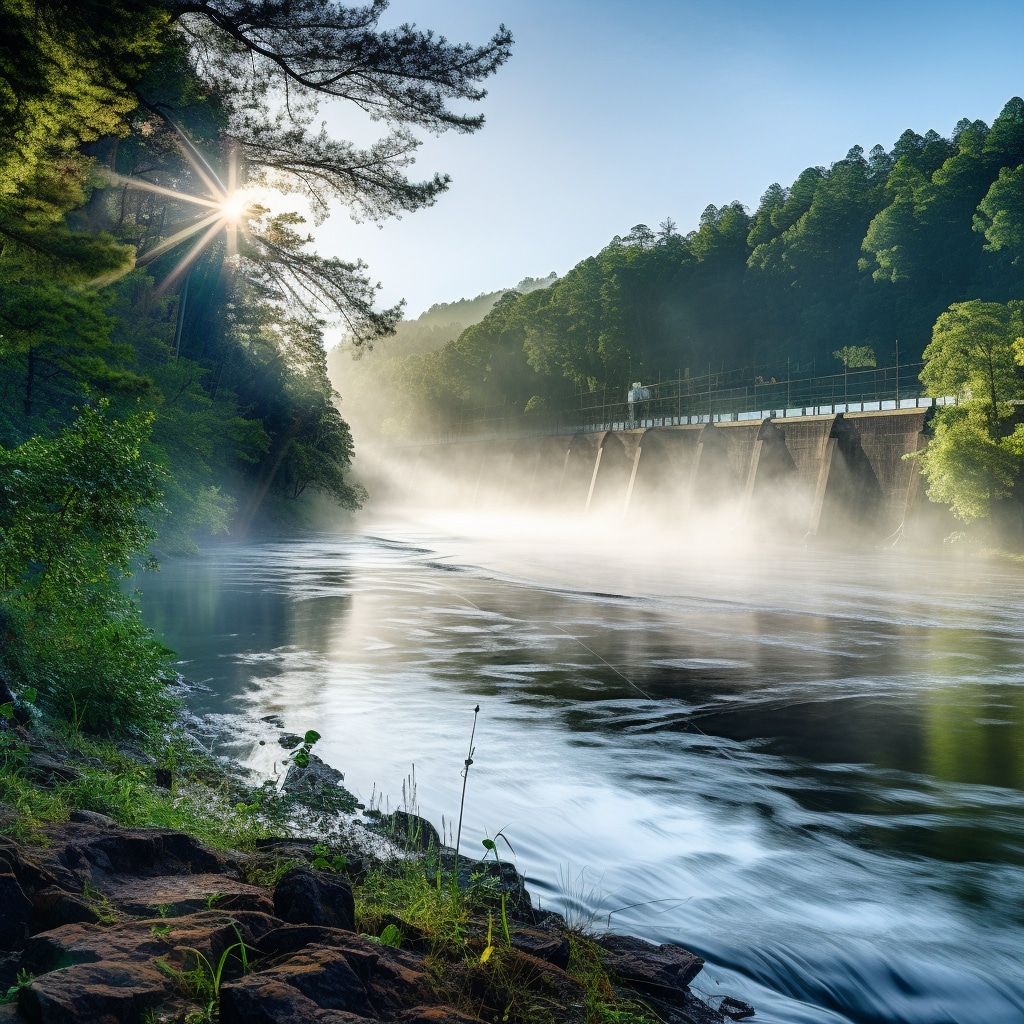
<point x="717" y="396"/>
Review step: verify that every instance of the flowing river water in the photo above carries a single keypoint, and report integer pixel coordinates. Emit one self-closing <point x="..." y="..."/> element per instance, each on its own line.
<point x="806" y="767"/>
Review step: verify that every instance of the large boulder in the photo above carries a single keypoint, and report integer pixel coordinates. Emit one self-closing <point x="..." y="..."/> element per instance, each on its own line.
<point x="107" y="992"/>
<point x="321" y="976"/>
<point x="306" y="896"/>
<point x="176" y="895"/>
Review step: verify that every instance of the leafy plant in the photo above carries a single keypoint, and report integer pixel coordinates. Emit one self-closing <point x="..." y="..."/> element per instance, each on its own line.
<point x="391" y="936"/>
<point x="23" y="980"/>
<point x="324" y="860"/>
<point x="203" y="982"/>
<point x="300" y="755"/>
<point x="490" y="846"/>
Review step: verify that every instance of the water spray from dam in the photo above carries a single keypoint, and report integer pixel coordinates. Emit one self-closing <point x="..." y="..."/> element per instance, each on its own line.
<point x="840" y="476"/>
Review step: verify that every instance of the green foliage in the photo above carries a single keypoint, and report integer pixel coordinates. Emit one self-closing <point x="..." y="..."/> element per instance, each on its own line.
<point x="402" y="888"/>
<point x="300" y="755"/>
<point x="853" y="356"/>
<point x="973" y="458"/>
<point x="203" y="982"/>
<point x="602" y="1004"/>
<point x="971" y="356"/>
<point x="74" y="508"/>
<point x="23" y="979"/>
<point x="204" y="802"/>
<point x="74" y="513"/>
<point x="324" y="860"/>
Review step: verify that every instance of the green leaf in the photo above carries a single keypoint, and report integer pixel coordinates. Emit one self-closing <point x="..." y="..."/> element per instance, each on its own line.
<point x="488" y="844"/>
<point x="391" y="936"/>
<point x="7" y="710"/>
<point x="311" y="737"/>
<point x="301" y="758"/>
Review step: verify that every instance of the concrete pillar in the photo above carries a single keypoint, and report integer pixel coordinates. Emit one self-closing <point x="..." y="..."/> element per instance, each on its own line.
<point x="824" y="468"/>
<point x="593" y="478"/>
<point x="632" y="476"/>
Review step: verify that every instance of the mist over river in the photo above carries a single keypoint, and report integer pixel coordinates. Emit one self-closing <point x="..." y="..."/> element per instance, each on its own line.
<point x="806" y="766"/>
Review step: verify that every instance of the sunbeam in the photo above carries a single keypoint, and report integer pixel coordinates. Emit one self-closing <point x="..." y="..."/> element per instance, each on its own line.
<point x="230" y="208"/>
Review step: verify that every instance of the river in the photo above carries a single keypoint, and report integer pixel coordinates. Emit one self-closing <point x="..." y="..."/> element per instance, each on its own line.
<point x="807" y="767"/>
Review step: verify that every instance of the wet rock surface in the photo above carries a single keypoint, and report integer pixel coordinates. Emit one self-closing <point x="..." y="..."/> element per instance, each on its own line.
<point x="130" y="925"/>
<point x="647" y="966"/>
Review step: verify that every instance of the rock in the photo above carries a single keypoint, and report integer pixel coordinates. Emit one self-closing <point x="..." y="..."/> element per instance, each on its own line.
<point x="319" y="786"/>
<point x="306" y="896"/>
<point x="83" y="817"/>
<point x="319" y="979"/>
<point x="291" y="938"/>
<point x="684" y="1007"/>
<point x="410" y="831"/>
<point x="141" y="942"/>
<point x="54" y="907"/>
<point x="289" y="740"/>
<point x="173" y="896"/>
<point x="435" y="1015"/>
<point x="48" y="771"/>
<point x="98" y="992"/>
<point x="31" y="876"/>
<point x="735" y="1009"/>
<point x="86" y="852"/>
<point x="16" y="916"/>
<point x="262" y="1000"/>
<point x="551" y="946"/>
<point x="646" y="966"/>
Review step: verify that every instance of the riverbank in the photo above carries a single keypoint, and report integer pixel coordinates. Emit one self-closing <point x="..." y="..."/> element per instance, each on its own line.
<point x="164" y="884"/>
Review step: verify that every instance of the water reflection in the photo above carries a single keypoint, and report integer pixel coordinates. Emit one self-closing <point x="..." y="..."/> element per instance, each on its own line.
<point x="818" y="765"/>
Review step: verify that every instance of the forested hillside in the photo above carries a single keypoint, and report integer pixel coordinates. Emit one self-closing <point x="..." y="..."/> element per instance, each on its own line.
<point x="377" y="384"/>
<point x="866" y="252"/>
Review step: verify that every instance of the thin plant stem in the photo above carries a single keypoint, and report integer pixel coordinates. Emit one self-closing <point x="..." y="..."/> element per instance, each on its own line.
<point x="462" y="802"/>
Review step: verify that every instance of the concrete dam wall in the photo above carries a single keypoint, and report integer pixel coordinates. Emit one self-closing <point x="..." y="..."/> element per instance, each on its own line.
<point x="810" y="475"/>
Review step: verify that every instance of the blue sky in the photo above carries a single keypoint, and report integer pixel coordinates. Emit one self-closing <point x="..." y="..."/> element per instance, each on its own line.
<point x="610" y="114"/>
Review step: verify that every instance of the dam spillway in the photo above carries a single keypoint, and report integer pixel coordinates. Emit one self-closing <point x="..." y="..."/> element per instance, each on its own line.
<point x="819" y="476"/>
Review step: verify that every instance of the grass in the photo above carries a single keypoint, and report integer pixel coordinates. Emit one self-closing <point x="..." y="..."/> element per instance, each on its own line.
<point x="407" y="901"/>
<point x="438" y="910"/>
<point x="603" y="1005"/>
<point x="202" y="983"/>
<point x="205" y="800"/>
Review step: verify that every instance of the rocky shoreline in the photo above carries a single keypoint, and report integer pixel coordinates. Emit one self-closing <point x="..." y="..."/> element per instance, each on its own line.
<point x="101" y="923"/>
<point x="110" y="923"/>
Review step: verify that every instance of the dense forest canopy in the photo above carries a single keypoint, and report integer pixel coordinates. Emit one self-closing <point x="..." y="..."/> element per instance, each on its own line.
<point x="141" y="258"/>
<point x="864" y="253"/>
<point x="162" y="308"/>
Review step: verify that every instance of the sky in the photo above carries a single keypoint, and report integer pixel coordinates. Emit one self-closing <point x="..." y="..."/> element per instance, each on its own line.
<point x="611" y="114"/>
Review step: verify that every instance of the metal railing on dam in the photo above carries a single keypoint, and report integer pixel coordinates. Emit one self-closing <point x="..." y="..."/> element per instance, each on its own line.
<point x="715" y="397"/>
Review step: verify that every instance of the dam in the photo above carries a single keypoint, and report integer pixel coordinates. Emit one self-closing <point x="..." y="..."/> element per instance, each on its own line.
<point x="819" y="474"/>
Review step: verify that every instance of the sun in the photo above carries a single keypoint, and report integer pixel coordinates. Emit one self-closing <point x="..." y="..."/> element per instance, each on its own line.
<point x="226" y="208"/>
<point x="234" y="207"/>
